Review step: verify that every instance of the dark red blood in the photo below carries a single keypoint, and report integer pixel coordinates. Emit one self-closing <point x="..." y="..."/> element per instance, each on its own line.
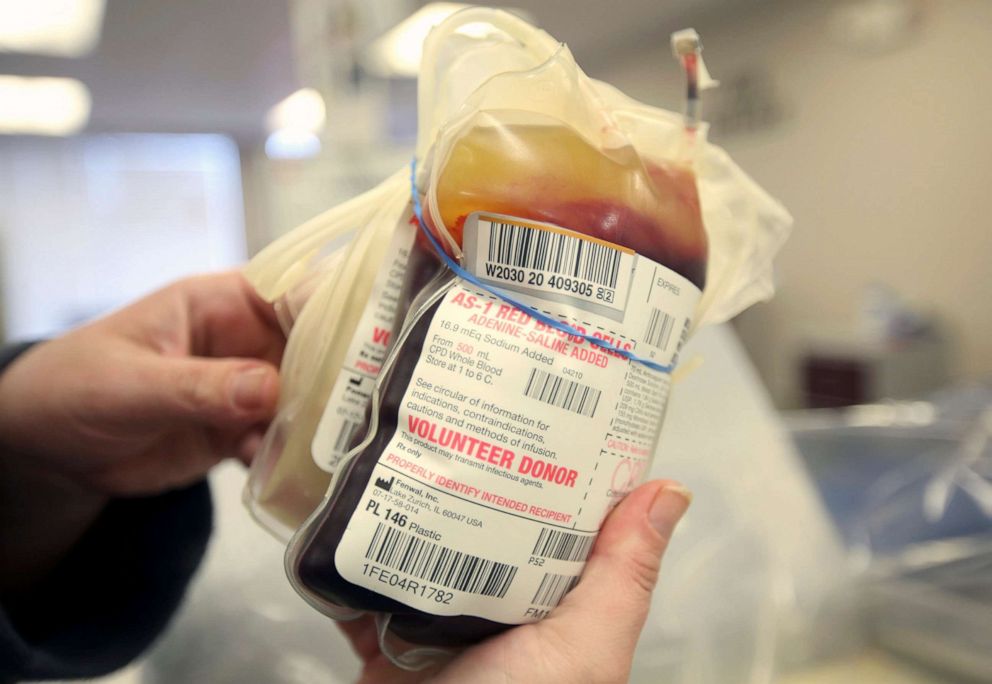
<point x="316" y="568"/>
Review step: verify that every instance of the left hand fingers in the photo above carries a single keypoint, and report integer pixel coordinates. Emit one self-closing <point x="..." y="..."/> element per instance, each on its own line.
<point x="228" y="318"/>
<point x="223" y="393"/>
<point x="174" y="460"/>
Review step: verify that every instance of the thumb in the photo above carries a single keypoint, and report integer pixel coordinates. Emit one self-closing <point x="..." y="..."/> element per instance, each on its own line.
<point x="610" y="602"/>
<point x="218" y="392"/>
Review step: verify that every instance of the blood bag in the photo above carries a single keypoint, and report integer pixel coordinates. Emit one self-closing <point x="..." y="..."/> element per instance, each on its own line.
<point x="482" y="373"/>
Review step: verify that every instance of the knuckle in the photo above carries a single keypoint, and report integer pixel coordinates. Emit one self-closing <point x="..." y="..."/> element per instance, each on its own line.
<point x="194" y="389"/>
<point x="642" y="570"/>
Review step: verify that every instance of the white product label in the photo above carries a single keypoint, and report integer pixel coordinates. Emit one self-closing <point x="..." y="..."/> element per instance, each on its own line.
<point x="352" y="391"/>
<point x="544" y="260"/>
<point x="514" y="438"/>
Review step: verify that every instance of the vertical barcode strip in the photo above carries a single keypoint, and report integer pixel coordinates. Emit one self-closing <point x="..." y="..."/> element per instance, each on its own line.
<point x="561" y="392"/>
<point x="562" y="545"/>
<point x="439" y="564"/>
<point x="553" y="588"/>
<point x="683" y="337"/>
<point x="660" y="327"/>
<point x="545" y="250"/>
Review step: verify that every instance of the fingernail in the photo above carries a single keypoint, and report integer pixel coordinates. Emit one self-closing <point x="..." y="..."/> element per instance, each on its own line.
<point x="668" y="507"/>
<point x="247" y="389"/>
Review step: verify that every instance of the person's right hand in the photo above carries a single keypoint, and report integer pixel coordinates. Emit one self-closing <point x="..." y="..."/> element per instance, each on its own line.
<point x="591" y="636"/>
<point x="148" y="398"/>
<point x="139" y="402"/>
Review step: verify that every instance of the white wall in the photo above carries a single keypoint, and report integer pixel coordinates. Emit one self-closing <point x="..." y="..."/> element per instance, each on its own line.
<point x="883" y="159"/>
<point x="88" y="224"/>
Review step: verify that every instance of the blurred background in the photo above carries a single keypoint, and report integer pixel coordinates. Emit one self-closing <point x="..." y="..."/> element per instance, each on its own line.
<point x="141" y="141"/>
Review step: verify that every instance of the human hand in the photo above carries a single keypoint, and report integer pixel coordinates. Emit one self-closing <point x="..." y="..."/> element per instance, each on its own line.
<point x="140" y="402"/>
<point x="591" y="636"/>
<point x="148" y="398"/>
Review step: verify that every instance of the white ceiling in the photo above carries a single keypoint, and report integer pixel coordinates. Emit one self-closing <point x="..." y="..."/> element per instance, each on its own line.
<point x="218" y="65"/>
<point x="181" y="65"/>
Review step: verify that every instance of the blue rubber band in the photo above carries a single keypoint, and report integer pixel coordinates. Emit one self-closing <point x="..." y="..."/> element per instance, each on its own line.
<point x="529" y="310"/>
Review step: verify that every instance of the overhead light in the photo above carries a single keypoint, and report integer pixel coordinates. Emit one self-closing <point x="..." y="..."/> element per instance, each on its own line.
<point x="398" y="51"/>
<point x="64" y="28"/>
<point x="876" y="26"/>
<point x="43" y="106"/>
<point x="304" y="110"/>
<point x="294" y="124"/>
<point x="287" y="143"/>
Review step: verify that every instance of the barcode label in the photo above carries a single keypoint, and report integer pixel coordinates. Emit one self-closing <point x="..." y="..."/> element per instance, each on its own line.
<point x="660" y="328"/>
<point x="682" y="340"/>
<point x="348" y="429"/>
<point x="550" y="263"/>
<point x="439" y="564"/>
<point x="561" y="392"/>
<point x="562" y="545"/>
<point x="552" y="252"/>
<point x="553" y="588"/>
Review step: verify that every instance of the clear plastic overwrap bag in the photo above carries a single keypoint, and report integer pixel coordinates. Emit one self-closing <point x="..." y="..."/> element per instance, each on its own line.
<point x="562" y="243"/>
<point x="286" y="481"/>
<point x="320" y="277"/>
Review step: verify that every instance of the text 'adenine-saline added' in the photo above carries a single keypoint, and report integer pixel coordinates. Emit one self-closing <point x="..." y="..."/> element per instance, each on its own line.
<point x="516" y="438"/>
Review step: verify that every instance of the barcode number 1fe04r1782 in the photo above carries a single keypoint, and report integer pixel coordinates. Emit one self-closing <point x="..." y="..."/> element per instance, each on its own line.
<point x="406" y="584"/>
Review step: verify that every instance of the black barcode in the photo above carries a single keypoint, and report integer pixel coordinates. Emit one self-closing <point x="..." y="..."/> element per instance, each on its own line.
<point x="439" y="564"/>
<point x="348" y="429"/>
<point x="660" y="327"/>
<point x="682" y="340"/>
<point x="544" y="250"/>
<point x="561" y="392"/>
<point x="553" y="588"/>
<point x="562" y="545"/>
